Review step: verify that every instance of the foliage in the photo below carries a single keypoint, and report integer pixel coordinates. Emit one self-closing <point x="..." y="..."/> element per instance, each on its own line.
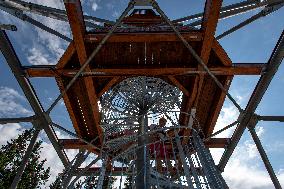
<point x="11" y="155"/>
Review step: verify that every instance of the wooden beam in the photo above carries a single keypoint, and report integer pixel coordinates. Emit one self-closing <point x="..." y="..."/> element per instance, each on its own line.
<point x="221" y="53"/>
<point x="77" y="144"/>
<point x="66" y="56"/>
<point x="76" y="20"/>
<point x="236" y="69"/>
<point x="216" y="108"/>
<point x="77" y="25"/>
<point x="144" y="37"/>
<point x="70" y="109"/>
<point x="111" y="83"/>
<point x="179" y="85"/>
<point x="217" y="142"/>
<point x="208" y="27"/>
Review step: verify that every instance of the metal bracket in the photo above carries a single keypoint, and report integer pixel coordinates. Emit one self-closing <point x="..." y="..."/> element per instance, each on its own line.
<point x="37" y="123"/>
<point x="192" y="117"/>
<point x="253" y="121"/>
<point x="271" y="8"/>
<point x="8" y="27"/>
<point x="241" y="116"/>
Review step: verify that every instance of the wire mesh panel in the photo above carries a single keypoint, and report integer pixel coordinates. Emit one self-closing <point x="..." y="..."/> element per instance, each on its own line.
<point x="141" y="121"/>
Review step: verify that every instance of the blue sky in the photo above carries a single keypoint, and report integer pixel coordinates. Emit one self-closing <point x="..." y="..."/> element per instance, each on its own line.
<point x="251" y="44"/>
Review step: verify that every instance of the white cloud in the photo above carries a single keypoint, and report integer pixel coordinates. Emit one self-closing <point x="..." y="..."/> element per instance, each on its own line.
<point x="42" y="47"/>
<point x="10" y="103"/>
<point x="245" y="168"/>
<point x="228" y="115"/>
<point x="9" y="131"/>
<point x="52" y="160"/>
<point x="37" y="57"/>
<point x="94" y="6"/>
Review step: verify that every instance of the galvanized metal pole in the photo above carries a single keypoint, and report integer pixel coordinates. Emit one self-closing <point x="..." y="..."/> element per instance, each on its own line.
<point x="25" y="160"/>
<point x="142" y="162"/>
<point x="20" y="14"/>
<point x="262" y="85"/>
<point x="227" y="11"/>
<point x="266" y="11"/>
<point x="16" y="120"/>
<point x="79" y="160"/>
<point x="264" y="158"/>
<point x="271" y="118"/>
<point x="194" y="54"/>
<point x="83" y="171"/>
<point x="15" y="65"/>
<point x="52" y="12"/>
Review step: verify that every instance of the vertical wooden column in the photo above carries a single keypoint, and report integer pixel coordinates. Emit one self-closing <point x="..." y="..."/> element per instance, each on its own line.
<point x="208" y="27"/>
<point x="76" y="20"/>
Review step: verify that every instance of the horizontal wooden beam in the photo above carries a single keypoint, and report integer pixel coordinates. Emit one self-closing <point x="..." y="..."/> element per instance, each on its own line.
<point x="143" y="37"/>
<point x="236" y="69"/>
<point x="111" y="83"/>
<point x="118" y="171"/>
<point x="217" y="142"/>
<point x="77" y="144"/>
<point x="179" y="85"/>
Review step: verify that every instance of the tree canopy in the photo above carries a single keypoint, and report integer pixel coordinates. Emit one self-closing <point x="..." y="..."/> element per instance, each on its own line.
<point x="11" y="155"/>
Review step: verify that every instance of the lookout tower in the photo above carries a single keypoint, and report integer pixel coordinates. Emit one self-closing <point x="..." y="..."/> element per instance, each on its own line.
<point x="144" y="93"/>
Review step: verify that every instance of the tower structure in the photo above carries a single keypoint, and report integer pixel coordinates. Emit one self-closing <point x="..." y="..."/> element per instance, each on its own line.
<point x="119" y="78"/>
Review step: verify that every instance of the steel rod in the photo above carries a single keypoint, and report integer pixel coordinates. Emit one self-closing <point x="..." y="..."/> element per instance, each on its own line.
<point x="16" y="120"/>
<point x="82" y="172"/>
<point x="46" y="28"/>
<point x="79" y="160"/>
<point x="76" y="136"/>
<point x="229" y="8"/>
<point x="195" y="55"/>
<point x="264" y="158"/>
<point x="165" y="159"/>
<point x="142" y="179"/>
<point x="25" y="160"/>
<point x="90" y="164"/>
<point x="52" y="12"/>
<point x="183" y="161"/>
<point x="102" y="174"/>
<point x="271" y="118"/>
<point x="156" y="166"/>
<point x="8" y="27"/>
<point x="175" y="159"/>
<point x="15" y="65"/>
<point x="19" y="14"/>
<point x="263" y="13"/>
<point x="221" y="130"/>
<point x="259" y="91"/>
<point x="193" y="171"/>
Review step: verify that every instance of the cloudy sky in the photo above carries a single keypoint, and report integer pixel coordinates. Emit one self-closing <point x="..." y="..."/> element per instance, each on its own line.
<point x="252" y="44"/>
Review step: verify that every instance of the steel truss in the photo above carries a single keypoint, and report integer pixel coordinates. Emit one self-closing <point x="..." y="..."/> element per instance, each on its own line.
<point x="42" y="121"/>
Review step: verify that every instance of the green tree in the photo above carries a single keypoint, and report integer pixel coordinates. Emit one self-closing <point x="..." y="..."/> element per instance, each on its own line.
<point x="11" y="155"/>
